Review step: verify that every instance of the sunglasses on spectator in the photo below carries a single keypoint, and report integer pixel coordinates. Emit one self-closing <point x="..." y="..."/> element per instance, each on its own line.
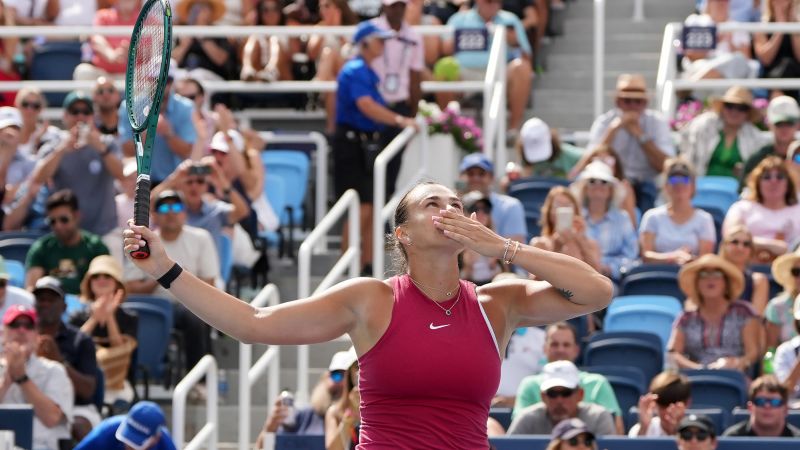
<point x="795" y="271"/>
<point x="700" y="435"/>
<point x="737" y="243"/>
<point x="712" y="273"/>
<point x="337" y="376"/>
<point x="596" y="181"/>
<point x="31" y="105"/>
<point x="736" y="107"/>
<point x="588" y="441"/>
<point x="785" y="123"/>
<point x="79" y="111"/>
<point x="105" y="90"/>
<point x="632" y="101"/>
<point x="24" y="324"/>
<point x="555" y="393"/>
<point x="678" y="179"/>
<point x="170" y="208"/>
<point x="762" y="402"/>
<point x="57" y="219"/>
<point x="796" y="158"/>
<point x="770" y="176"/>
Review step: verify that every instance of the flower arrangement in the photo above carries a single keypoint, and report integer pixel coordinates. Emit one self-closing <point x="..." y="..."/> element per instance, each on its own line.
<point x="467" y="135"/>
<point x="686" y="112"/>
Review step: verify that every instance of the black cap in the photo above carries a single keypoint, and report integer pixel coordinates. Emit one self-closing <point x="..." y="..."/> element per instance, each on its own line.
<point x="168" y="195"/>
<point x="699" y="421"/>
<point x="569" y="428"/>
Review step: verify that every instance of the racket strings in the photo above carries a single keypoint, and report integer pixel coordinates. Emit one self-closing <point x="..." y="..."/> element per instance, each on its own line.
<point x="147" y="68"/>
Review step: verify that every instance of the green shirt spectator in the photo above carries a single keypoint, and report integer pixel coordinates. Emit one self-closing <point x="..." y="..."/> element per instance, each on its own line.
<point x="67" y="263"/>
<point x="724" y="159"/>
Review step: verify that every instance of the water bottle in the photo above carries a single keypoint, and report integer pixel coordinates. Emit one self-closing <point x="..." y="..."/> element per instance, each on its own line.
<point x="222" y="385"/>
<point x="767" y="368"/>
<point x="287" y="399"/>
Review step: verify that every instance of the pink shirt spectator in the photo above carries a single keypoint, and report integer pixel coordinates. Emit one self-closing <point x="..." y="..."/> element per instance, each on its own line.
<point x="402" y="53"/>
<point x="766" y="223"/>
<point x="105" y="18"/>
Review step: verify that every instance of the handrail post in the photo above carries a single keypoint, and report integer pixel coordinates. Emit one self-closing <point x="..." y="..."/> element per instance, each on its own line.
<point x="638" y="11"/>
<point x="599" y="53"/>
<point x="207" y="366"/>
<point x="666" y="64"/>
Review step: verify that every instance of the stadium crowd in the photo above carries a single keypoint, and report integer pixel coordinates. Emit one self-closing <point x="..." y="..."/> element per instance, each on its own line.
<point x="712" y="204"/>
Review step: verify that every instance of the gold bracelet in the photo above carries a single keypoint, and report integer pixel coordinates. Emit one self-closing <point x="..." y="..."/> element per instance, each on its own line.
<point x="506" y="247"/>
<point x="513" y="254"/>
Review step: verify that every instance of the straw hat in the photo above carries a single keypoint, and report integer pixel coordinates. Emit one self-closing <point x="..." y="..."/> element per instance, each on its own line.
<point x="598" y="170"/>
<point x="103" y="264"/>
<point x="631" y="85"/>
<point x="738" y="96"/>
<point x="781" y="270"/>
<point x="687" y="277"/>
<point x="185" y="6"/>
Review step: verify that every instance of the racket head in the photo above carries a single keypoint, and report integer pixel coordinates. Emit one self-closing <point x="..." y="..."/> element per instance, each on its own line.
<point x="148" y="63"/>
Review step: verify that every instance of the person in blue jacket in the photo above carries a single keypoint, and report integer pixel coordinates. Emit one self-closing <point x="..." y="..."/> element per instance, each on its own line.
<point x="143" y="428"/>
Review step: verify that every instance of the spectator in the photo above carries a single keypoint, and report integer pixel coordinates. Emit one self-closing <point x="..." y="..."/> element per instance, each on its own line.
<point x="768" y="409"/>
<point x="717" y="142"/>
<point x="109" y="53"/>
<point x="144" y="428"/>
<point x="432" y="45"/>
<point x="175" y="132"/>
<point x="714" y="285"/>
<point x="609" y="157"/>
<point x="572" y="434"/>
<point x="778" y="53"/>
<point x="696" y="428"/>
<point x="202" y="117"/>
<point x="64" y="253"/>
<point x="639" y="135"/>
<point x="677" y="232"/>
<point x="63" y="343"/>
<point x="112" y="329"/>
<point x="787" y="359"/>
<point x="730" y="57"/>
<point x="32" y="12"/>
<point x="480" y="22"/>
<point x="310" y="419"/>
<point x="786" y="271"/>
<point x="793" y="160"/>
<point x="508" y="214"/>
<point x="524" y="357"/>
<point x="737" y="248"/>
<point x="564" y="228"/>
<point x="600" y="195"/>
<point x="84" y="161"/>
<point x="34" y="381"/>
<point x="561" y="344"/>
<point x="11" y="295"/>
<point x="783" y="115"/>
<point x="194" y="249"/>
<point x="663" y="407"/>
<point x="361" y="118"/>
<point x="210" y="59"/>
<point x="76" y="12"/>
<point x="106" y="97"/>
<point x="267" y="58"/>
<point x="8" y="50"/>
<point x="542" y="153"/>
<point x="127" y="193"/>
<point x="769" y="209"/>
<point x="561" y="399"/>
<point x="475" y="267"/>
<point x="35" y="130"/>
<point x="15" y="165"/>
<point x="343" y="418"/>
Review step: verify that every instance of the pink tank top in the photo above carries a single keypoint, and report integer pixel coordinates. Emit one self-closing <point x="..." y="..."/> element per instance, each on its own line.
<point x="429" y="380"/>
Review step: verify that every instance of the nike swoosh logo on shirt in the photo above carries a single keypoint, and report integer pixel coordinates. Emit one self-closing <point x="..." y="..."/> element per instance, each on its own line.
<point x="436" y="327"/>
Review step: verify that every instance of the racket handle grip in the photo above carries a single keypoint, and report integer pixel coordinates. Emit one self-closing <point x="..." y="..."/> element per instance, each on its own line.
<point x="141" y="213"/>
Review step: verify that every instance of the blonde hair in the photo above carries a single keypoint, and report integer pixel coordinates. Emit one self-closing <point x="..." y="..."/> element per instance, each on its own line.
<point x="736" y="229"/>
<point x="548" y="227"/>
<point x="26" y="91"/>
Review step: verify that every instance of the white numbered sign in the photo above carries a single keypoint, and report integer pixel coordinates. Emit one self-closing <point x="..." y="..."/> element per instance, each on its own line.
<point x="472" y="40"/>
<point x="699" y="37"/>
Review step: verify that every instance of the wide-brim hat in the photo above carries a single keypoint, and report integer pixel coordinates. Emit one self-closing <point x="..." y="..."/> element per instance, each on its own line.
<point x="598" y="170"/>
<point x="185" y="6"/>
<point x="631" y="85"/>
<point x="105" y="265"/>
<point x="781" y="270"/>
<point x="687" y="277"/>
<point x="738" y="96"/>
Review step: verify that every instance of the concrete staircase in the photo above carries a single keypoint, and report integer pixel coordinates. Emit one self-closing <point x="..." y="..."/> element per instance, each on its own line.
<point x="563" y="95"/>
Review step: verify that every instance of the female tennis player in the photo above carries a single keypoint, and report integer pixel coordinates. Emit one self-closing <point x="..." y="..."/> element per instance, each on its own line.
<point x="429" y="344"/>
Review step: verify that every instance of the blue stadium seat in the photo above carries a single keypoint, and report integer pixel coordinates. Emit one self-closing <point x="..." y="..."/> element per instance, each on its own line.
<point x="16" y="272"/>
<point x="530" y="442"/>
<point x="299" y="442"/>
<point x="501" y="415"/>
<point x="533" y="223"/>
<point x="650" y="267"/>
<point x="718" y="214"/>
<point x="664" y="301"/>
<point x="553" y="181"/>
<point x="720" y="183"/>
<point x="532" y="192"/>
<point x="766" y="269"/>
<point x="652" y="283"/>
<point x="154" y="334"/>
<point x="73" y="305"/>
<point x="634" y="374"/>
<point x="581" y="325"/>
<point x="293" y="167"/>
<point x="19" y="419"/>
<point x="713" y="198"/>
<point x="654" y="318"/>
<point x="751" y="443"/>
<point x="30" y="234"/>
<point x="627" y="392"/>
<point x="723" y="390"/>
<point x="275" y="190"/>
<point x="225" y="257"/>
<point x="626" y="348"/>
<point x="15" y="248"/>
<point x="55" y="60"/>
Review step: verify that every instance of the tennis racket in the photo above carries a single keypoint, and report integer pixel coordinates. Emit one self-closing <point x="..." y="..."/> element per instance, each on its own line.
<point x="145" y="78"/>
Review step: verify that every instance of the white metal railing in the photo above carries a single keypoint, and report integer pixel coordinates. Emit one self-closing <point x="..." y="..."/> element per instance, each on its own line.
<point x="667" y="81"/>
<point x="494" y="103"/>
<point x="206" y="367"/>
<point x="599" y="54"/>
<point x="381" y="209"/>
<point x="249" y="373"/>
<point x="349" y="261"/>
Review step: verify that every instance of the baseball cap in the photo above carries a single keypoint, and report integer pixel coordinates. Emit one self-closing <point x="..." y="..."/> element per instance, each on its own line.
<point x="368" y="29"/>
<point x="10" y="117"/>
<point x="50" y="284"/>
<point x="78" y="96"/>
<point x="680" y="169"/>
<point x="142" y="423"/>
<point x="537" y="145"/>
<point x="476" y="160"/>
<point x="783" y="109"/>
<point x="700" y="421"/>
<point x="343" y="360"/>
<point x="168" y="194"/>
<point x="559" y="374"/>
<point x="15" y="311"/>
<point x="219" y="143"/>
<point x="569" y="428"/>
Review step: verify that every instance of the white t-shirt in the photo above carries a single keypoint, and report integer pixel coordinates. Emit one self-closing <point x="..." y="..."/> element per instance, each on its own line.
<point x="671" y="236"/>
<point x="525" y="356"/>
<point x="653" y="430"/>
<point x="76" y="12"/>
<point x="785" y="359"/>
<point x="28" y="9"/>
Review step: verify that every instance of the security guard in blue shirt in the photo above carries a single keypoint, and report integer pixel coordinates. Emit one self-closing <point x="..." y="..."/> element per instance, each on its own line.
<point x="361" y="115"/>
